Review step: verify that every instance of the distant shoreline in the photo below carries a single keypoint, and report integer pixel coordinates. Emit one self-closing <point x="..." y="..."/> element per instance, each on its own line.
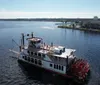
<point x="50" y="19"/>
<point x="83" y="29"/>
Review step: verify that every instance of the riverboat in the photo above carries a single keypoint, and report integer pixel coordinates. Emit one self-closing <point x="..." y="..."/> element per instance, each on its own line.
<point x="53" y="58"/>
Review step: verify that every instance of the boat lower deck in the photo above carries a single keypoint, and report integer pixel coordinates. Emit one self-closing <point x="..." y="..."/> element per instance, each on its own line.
<point x="29" y="65"/>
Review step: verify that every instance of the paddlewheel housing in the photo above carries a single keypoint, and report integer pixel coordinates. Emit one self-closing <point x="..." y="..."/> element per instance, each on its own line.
<point x="80" y="69"/>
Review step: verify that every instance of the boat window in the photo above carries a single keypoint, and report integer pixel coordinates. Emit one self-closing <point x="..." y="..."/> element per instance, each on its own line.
<point x="60" y="51"/>
<point x="50" y="65"/>
<point x="54" y="66"/>
<point x="28" y="51"/>
<point x="43" y="55"/>
<point x="28" y="58"/>
<point x="35" y="53"/>
<point x="71" y="53"/>
<point x="62" y="68"/>
<point x="39" y="62"/>
<point x="32" y="60"/>
<point x="25" y="57"/>
<point x="31" y="53"/>
<point x="63" y="49"/>
<point x="55" y="57"/>
<point x="59" y="67"/>
<point x="39" y="54"/>
<point x="35" y="61"/>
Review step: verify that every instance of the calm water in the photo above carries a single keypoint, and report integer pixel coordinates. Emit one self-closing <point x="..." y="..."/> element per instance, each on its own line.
<point x="11" y="73"/>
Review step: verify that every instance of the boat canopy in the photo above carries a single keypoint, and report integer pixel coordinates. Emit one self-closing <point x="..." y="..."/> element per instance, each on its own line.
<point x="35" y="39"/>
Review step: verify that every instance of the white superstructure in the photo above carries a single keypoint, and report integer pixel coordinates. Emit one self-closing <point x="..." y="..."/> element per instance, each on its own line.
<point x="50" y="57"/>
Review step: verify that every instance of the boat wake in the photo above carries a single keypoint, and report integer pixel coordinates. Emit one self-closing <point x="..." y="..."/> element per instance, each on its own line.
<point x="47" y="27"/>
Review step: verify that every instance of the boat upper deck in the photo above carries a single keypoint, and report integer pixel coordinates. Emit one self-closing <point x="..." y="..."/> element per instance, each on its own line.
<point x="35" y="45"/>
<point x="48" y="51"/>
<point x="34" y="39"/>
<point x="55" y="58"/>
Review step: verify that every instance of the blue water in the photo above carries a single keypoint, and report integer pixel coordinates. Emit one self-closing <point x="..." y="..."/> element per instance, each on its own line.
<point x="87" y="46"/>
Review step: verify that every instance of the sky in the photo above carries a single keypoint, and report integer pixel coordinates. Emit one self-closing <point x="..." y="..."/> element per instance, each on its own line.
<point x="49" y="8"/>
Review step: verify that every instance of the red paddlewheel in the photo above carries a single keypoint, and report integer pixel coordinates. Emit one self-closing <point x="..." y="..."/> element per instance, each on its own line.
<point x="80" y="69"/>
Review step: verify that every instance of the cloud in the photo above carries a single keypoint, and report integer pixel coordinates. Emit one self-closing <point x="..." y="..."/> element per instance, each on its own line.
<point x="19" y="14"/>
<point x="2" y="10"/>
<point x="16" y="14"/>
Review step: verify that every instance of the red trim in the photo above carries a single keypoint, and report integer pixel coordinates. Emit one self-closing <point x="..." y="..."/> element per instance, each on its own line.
<point x="65" y="75"/>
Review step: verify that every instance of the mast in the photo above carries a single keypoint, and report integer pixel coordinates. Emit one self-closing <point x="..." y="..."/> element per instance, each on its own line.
<point x="67" y="61"/>
<point x="22" y="43"/>
<point x="67" y="66"/>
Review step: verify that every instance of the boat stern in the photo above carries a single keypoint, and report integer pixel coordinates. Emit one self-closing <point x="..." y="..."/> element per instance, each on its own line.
<point x="80" y="69"/>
